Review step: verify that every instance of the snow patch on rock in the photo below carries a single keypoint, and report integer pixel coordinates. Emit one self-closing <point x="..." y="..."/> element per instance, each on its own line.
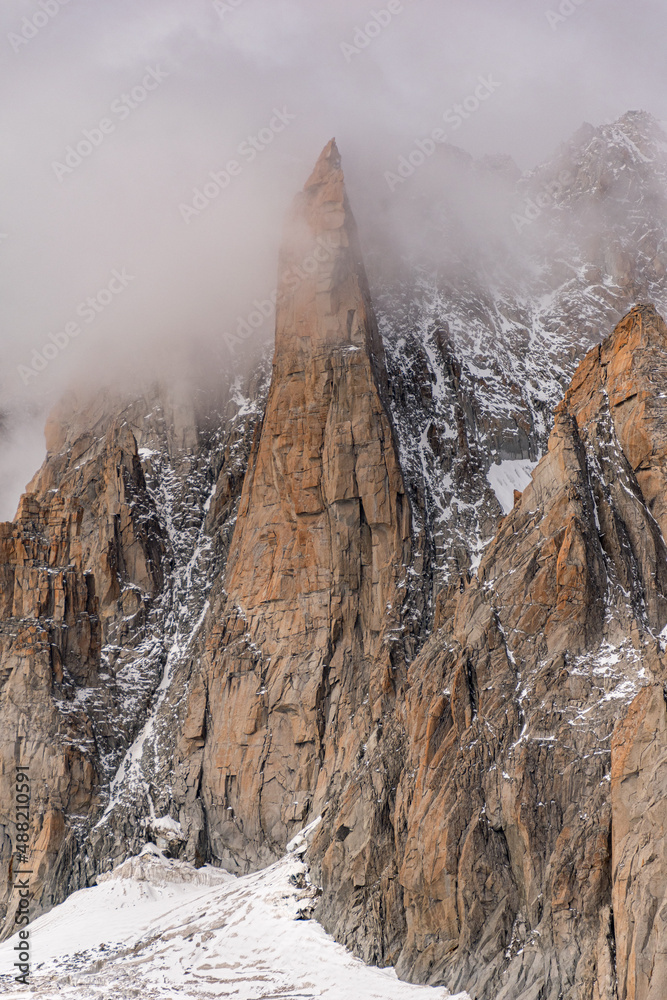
<point x="508" y="476"/>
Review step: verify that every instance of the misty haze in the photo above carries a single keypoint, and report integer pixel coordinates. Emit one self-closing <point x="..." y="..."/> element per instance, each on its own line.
<point x="333" y="487"/>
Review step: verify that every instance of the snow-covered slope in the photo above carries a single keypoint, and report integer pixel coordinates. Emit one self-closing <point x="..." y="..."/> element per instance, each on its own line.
<point x="158" y="928"/>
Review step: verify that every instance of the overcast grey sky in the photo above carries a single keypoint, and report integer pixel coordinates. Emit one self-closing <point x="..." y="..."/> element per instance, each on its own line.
<point x="151" y="96"/>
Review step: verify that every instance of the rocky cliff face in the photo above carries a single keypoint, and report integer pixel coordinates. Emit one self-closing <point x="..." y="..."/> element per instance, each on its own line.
<point x="218" y="626"/>
<point x="83" y="561"/>
<point x="302" y="639"/>
<point x="505" y="806"/>
<point x="638" y="829"/>
<point x="101" y="571"/>
<point x="512" y="874"/>
<point x="484" y="322"/>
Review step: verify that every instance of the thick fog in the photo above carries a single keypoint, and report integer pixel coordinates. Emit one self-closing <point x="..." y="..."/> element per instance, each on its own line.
<point x="151" y="150"/>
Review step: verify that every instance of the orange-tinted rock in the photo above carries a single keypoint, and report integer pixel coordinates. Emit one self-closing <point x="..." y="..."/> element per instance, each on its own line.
<point x="491" y="819"/>
<point x="507" y="825"/>
<point x="501" y="820"/>
<point x="300" y="664"/>
<point x="80" y="563"/>
<point x="639" y="829"/>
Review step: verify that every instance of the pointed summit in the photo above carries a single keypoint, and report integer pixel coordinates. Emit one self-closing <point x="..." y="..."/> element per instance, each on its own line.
<point x="329" y="163"/>
<point x="315" y="579"/>
<point x="323" y="298"/>
<point x="321" y="208"/>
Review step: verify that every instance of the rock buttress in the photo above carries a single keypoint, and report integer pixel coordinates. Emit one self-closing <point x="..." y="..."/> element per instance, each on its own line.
<point x="501" y="819"/>
<point x="80" y="567"/>
<point x="304" y="661"/>
<point x="639" y="827"/>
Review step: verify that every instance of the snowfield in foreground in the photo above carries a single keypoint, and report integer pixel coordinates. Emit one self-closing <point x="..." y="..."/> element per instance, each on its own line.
<point x="158" y="928"/>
